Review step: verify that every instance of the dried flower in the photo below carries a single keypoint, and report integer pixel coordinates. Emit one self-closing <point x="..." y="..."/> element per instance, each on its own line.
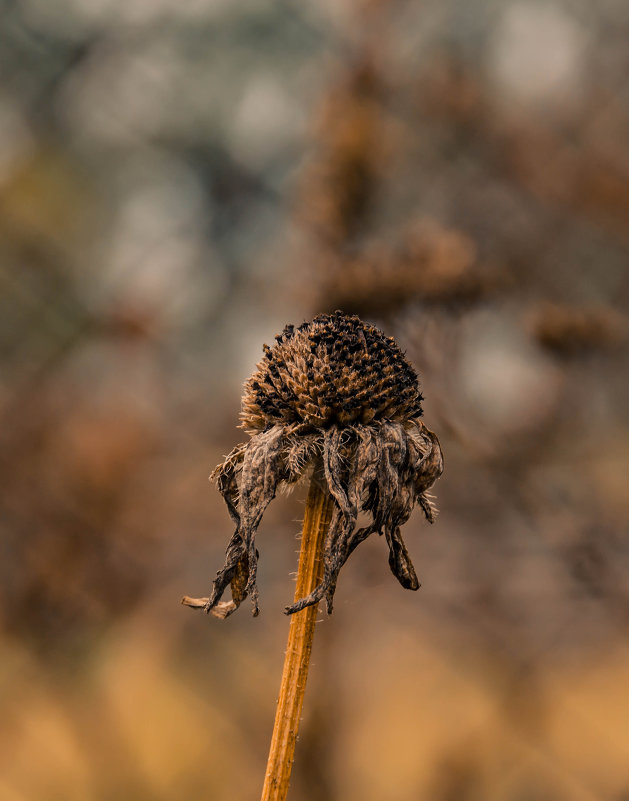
<point x="339" y="390"/>
<point x="572" y="330"/>
<point x="422" y="261"/>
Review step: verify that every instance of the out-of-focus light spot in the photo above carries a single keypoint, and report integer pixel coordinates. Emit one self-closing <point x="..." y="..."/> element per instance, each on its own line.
<point x="266" y="121"/>
<point x="510" y="384"/>
<point x="73" y="17"/>
<point x="536" y="56"/>
<point x="123" y="94"/>
<point x="155" y="257"/>
<point x="15" y="137"/>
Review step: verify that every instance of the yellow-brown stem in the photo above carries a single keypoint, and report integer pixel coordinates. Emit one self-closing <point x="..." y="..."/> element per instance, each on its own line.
<point x="319" y="506"/>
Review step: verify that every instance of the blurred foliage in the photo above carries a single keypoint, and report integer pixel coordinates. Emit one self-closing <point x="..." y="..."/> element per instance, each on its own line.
<point x="177" y="182"/>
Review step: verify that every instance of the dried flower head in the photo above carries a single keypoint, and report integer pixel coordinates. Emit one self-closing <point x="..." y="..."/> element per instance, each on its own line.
<point x="569" y="331"/>
<point x="422" y="261"/>
<point x="338" y="390"/>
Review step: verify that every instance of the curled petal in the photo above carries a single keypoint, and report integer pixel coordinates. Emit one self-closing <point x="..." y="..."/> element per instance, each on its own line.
<point x="427" y="470"/>
<point x="400" y="562"/>
<point x="235" y="559"/>
<point x="226" y="477"/>
<point x="431" y="465"/>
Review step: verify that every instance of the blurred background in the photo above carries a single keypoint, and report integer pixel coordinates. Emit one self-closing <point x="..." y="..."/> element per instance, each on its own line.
<point x="177" y="182"/>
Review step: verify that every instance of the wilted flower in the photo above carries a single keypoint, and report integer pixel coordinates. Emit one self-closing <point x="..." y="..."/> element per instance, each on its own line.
<point x="339" y="391"/>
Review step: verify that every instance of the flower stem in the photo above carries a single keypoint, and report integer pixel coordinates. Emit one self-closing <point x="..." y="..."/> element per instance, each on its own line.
<point x="319" y="506"/>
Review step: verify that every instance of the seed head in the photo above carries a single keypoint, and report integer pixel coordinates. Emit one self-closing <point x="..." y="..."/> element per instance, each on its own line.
<point x="571" y="331"/>
<point x="338" y="393"/>
<point x="420" y="262"/>
<point x="335" y="370"/>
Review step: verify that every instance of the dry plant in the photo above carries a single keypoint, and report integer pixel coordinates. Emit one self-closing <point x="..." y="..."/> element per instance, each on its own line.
<point x="335" y="397"/>
<point x="422" y="261"/>
<point x="568" y="331"/>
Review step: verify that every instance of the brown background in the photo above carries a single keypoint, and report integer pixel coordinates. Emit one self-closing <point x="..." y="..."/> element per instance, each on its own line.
<point x="177" y="182"/>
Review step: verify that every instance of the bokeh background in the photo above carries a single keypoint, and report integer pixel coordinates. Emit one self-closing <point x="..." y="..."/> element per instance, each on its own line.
<point x="177" y="182"/>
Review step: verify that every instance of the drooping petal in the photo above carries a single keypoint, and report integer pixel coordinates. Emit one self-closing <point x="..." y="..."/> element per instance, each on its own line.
<point x="263" y="468"/>
<point x="431" y="465"/>
<point x="226" y="477"/>
<point x="348" y="485"/>
<point x="396" y="498"/>
<point x="428" y="468"/>
<point x="399" y="560"/>
<point x="235" y="563"/>
<point x="333" y="468"/>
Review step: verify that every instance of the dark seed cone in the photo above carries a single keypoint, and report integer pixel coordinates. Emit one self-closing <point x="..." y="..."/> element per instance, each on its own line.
<point x="335" y="370"/>
<point x="339" y="390"/>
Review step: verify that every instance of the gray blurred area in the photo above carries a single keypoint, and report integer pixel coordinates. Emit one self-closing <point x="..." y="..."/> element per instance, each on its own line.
<point x="177" y="182"/>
